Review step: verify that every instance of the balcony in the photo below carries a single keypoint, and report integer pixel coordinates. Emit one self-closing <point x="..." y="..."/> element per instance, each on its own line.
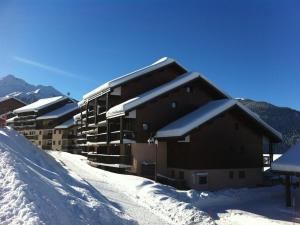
<point x="97" y="137"/>
<point x="81" y="141"/>
<point x="109" y="159"/>
<point x="47" y="136"/>
<point x="127" y="134"/>
<point x="69" y="136"/>
<point x="31" y="137"/>
<point x="22" y="118"/>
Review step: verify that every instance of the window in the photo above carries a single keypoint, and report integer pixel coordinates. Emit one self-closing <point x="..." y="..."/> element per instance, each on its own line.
<point x="231" y="174"/>
<point x="181" y="175"/>
<point x="40" y="132"/>
<point x="145" y="126"/>
<point x="202" y="180"/>
<point x="54" y="142"/>
<point x="174" y="105"/>
<point x="188" y="89"/>
<point x="242" y="174"/>
<point x="54" y="131"/>
<point x="59" y="131"/>
<point x="40" y="142"/>
<point x="59" y="142"/>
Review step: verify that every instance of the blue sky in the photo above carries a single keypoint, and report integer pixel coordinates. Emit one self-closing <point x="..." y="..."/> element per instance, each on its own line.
<point x="249" y="48"/>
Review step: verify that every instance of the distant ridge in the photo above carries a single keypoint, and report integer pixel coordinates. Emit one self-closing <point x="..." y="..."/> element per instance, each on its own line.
<point x="283" y="119"/>
<point x="13" y="86"/>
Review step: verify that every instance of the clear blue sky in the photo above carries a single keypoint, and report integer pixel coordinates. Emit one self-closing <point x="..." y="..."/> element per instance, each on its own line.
<point x="248" y="48"/>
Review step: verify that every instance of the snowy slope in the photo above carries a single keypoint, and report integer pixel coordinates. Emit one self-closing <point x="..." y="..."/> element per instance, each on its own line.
<point x="13" y="86"/>
<point x="164" y="201"/>
<point x="259" y="206"/>
<point x="35" y="189"/>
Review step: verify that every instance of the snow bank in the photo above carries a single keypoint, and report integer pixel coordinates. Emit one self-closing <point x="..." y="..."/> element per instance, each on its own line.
<point x="164" y="201"/>
<point x="35" y="189"/>
<point x="242" y="206"/>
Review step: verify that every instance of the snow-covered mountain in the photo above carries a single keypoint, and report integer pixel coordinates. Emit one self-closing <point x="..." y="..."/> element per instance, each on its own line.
<point x="285" y="120"/>
<point x="13" y="86"/>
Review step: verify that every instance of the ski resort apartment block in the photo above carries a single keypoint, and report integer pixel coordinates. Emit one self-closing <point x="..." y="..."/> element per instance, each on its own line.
<point x="166" y="118"/>
<point x="48" y="123"/>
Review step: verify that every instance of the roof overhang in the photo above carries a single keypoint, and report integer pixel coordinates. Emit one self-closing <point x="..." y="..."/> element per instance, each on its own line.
<point x="35" y="106"/>
<point x="197" y="118"/>
<point x="131" y="104"/>
<point x="123" y="79"/>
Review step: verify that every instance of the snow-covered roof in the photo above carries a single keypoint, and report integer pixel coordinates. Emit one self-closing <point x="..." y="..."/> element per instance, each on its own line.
<point x="67" y="124"/>
<point x="203" y="114"/>
<point x="120" y="80"/>
<point x="10" y="120"/>
<point x="134" y="102"/>
<point x="2" y="99"/>
<point x="289" y="161"/>
<point x="67" y="108"/>
<point x="40" y="104"/>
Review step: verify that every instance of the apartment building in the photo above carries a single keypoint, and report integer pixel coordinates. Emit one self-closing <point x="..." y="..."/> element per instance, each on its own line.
<point x="47" y="122"/>
<point x="164" y="120"/>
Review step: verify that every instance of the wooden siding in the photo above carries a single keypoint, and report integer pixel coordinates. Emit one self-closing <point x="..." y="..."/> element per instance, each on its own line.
<point x="228" y="141"/>
<point x="10" y="105"/>
<point x="159" y="112"/>
<point x="147" y="82"/>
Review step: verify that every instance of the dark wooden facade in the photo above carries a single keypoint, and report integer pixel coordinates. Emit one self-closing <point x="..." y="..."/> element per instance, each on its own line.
<point x="159" y="112"/>
<point x="10" y="104"/>
<point x="102" y="139"/>
<point x="232" y="140"/>
<point x="27" y="120"/>
<point x="228" y="141"/>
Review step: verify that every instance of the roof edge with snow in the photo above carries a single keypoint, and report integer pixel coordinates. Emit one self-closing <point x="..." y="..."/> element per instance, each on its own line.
<point x="40" y="104"/>
<point x="12" y="97"/>
<point x="130" y="104"/>
<point x="289" y="162"/>
<point x="185" y="124"/>
<point x="120" y="80"/>
<point x="67" y="124"/>
<point x="60" y="112"/>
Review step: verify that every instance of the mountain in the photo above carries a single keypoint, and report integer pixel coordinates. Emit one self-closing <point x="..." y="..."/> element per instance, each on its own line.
<point x="283" y="119"/>
<point x="13" y="86"/>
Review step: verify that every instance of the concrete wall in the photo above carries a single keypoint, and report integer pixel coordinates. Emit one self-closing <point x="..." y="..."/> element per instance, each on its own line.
<point x="57" y="139"/>
<point x="146" y="152"/>
<point x="219" y="178"/>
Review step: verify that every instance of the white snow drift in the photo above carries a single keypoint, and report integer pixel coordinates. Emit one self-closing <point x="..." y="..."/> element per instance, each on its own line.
<point x="35" y="189"/>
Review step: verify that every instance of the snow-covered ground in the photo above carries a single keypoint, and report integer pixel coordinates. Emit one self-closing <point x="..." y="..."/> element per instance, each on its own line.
<point x="233" y="206"/>
<point x="36" y="189"/>
<point x="146" y="201"/>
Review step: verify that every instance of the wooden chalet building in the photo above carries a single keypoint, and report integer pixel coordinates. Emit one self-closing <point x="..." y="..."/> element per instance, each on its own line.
<point x="8" y="104"/>
<point x="46" y="123"/>
<point x="203" y="136"/>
